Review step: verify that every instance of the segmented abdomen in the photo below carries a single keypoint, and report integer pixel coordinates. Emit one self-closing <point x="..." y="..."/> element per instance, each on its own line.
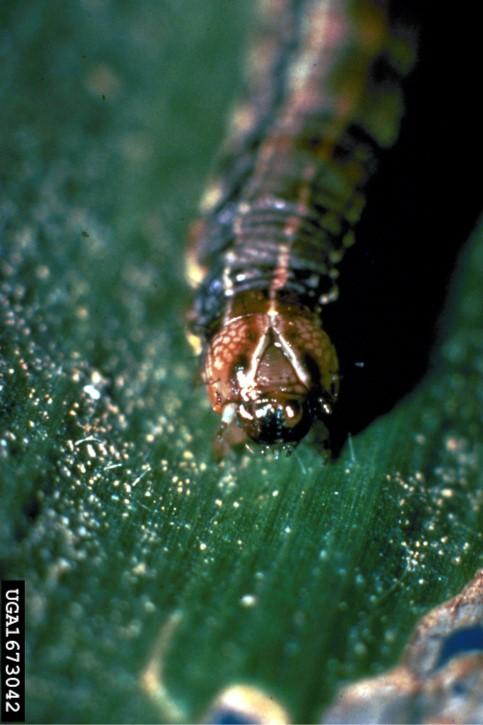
<point x="323" y="97"/>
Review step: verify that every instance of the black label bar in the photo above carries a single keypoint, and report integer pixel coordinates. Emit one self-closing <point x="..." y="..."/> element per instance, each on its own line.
<point x="12" y="637"/>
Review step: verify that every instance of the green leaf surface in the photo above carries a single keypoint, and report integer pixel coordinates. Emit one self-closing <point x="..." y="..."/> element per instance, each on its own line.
<point x="296" y="575"/>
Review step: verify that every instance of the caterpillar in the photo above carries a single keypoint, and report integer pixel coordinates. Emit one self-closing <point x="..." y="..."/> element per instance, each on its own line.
<point x="323" y="99"/>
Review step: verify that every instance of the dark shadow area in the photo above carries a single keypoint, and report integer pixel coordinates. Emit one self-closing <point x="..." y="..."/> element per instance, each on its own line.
<point x="422" y="205"/>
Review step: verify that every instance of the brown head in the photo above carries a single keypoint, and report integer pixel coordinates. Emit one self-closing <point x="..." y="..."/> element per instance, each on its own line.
<point x="272" y="374"/>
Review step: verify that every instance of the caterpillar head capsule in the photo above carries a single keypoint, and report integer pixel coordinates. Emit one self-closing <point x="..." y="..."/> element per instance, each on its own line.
<point x="270" y="375"/>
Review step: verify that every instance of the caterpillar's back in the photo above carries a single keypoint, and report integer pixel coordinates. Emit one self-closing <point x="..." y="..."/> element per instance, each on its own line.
<point x="323" y="98"/>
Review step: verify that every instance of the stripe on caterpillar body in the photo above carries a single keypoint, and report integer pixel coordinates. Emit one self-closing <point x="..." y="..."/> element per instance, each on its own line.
<point x="323" y="98"/>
